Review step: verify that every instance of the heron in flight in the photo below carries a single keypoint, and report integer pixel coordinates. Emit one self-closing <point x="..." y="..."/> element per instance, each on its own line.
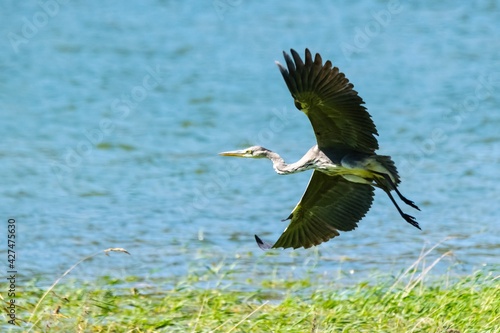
<point x="346" y="167"/>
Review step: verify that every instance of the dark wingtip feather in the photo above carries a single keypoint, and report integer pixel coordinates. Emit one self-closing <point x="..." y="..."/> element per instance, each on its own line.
<point x="281" y="68"/>
<point x="292" y="87"/>
<point x="263" y="245"/>
<point x="308" y="58"/>
<point x="289" y="63"/>
<point x="298" y="61"/>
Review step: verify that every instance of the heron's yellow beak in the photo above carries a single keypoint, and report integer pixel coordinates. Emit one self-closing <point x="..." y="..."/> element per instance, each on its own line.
<point x="237" y="153"/>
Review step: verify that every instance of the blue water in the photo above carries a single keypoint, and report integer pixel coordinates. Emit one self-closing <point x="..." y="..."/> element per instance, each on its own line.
<point x="112" y="115"/>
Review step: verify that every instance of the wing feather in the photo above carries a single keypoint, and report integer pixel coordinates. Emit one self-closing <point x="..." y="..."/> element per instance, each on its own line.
<point x="332" y="105"/>
<point x="328" y="205"/>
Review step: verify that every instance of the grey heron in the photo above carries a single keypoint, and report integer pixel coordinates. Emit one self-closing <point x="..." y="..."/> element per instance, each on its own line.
<point x="346" y="167"/>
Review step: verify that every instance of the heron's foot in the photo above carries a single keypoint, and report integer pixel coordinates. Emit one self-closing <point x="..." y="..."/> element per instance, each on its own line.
<point x="410" y="219"/>
<point x="409" y="203"/>
<point x="263" y="245"/>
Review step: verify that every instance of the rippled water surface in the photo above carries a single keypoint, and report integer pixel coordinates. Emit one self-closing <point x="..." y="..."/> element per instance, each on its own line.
<point x="112" y="115"/>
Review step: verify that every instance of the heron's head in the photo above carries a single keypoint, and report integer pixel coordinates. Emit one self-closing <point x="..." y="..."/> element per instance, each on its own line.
<point x="250" y="152"/>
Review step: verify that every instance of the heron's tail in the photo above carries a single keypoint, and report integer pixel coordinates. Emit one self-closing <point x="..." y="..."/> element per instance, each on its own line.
<point x="389" y="182"/>
<point x="389" y="165"/>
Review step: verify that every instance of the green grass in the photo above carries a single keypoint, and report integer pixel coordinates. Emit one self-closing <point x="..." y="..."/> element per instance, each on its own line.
<point x="406" y="303"/>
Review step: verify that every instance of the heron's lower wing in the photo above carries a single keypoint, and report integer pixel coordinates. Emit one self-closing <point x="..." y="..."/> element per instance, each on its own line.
<point x="328" y="205"/>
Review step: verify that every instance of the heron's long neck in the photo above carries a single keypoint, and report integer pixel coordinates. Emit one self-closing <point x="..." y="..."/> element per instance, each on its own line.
<point x="283" y="168"/>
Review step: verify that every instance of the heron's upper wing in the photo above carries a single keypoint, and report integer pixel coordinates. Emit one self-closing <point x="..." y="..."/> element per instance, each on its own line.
<point x="329" y="204"/>
<point x="330" y="102"/>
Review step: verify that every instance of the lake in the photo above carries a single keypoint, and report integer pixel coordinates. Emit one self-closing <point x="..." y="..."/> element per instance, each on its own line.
<point x="113" y="115"/>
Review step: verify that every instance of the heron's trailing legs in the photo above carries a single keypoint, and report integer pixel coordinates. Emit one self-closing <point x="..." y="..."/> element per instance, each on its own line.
<point x="401" y="196"/>
<point x="408" y="218"/>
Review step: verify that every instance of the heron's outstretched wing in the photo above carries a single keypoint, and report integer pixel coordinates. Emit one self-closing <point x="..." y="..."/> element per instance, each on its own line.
<point x="330" y="102"/>
<point x="328" y="205"/>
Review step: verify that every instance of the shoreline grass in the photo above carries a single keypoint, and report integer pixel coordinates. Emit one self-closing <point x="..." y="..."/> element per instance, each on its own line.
<point x="404" y="303"/>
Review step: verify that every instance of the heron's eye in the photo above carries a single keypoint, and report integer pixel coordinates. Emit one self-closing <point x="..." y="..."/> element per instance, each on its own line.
<point x="249" y="152"/>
